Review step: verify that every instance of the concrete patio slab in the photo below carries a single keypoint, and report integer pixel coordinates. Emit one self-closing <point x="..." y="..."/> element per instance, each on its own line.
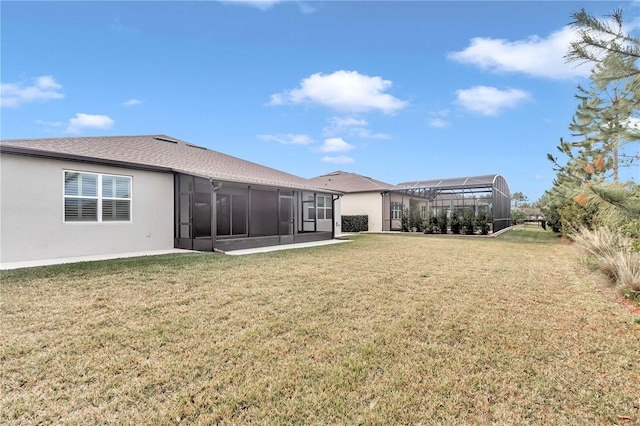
<point x="283" y="247"/>
<point x="63" y="260"/>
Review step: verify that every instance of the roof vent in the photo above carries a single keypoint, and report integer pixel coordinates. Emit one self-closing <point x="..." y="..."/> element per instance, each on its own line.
<point x="196" y="146"/>
<point x="165" y="139"/>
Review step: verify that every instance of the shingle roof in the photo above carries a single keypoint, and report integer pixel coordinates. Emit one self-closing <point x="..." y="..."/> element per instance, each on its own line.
<point x="162" y="153"/>
<point x="350" y="182"/>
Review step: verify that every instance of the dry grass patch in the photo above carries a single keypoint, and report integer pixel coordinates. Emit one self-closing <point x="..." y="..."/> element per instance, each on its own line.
<point x="388" y="329"/>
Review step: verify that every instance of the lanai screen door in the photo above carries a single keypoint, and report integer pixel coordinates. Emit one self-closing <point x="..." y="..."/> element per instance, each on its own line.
<point x="194" y="213"/>
<point x="286" y="218"/>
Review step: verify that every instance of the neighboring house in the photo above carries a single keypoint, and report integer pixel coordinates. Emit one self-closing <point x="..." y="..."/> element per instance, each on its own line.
<point x="385" y="204"/>
<point x="366" y="196"/>
<point x="533" y="213"/>
<point x="100" y="195"/>
<point x="362" y="195"/>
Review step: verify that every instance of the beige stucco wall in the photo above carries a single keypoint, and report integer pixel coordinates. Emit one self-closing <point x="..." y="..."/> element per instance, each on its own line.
<point x="369" y="203"/>
<point x="31" y="212"/>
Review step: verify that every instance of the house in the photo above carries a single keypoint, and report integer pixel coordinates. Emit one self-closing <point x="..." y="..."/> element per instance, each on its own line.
<point x="385" y="204"/>
<point x="362" y="195"/>
<point x="66" y="197"/>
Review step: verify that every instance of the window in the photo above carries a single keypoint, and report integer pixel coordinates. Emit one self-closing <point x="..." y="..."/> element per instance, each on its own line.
<point x="231" y="214"/>
<point x="423" y="211"/>
<point x="309" y="203"/>
<point x="94" y="197"/>
<point x="325" y="208"/>
<point x="396" y="210"/>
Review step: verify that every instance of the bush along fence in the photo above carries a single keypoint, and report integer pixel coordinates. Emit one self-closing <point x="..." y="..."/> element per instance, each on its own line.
<point x="457" y="222"/>
<point x="355" y="223"/>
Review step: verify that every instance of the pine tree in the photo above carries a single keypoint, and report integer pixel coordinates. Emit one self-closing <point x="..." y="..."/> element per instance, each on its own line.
<point x="603" y="122"/>
<point x="597" y="38"/>
<point x="614" y="97"/>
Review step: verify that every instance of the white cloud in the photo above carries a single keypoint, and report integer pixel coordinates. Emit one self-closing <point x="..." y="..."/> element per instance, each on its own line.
<point x="366" y="134"/>
<point x="536" y="56"/>
<point x="287" y="139"/>
<point x="49" y="123"/>
<point x="353" y="127"/>
<point x="488" y="101"/>
<point x="341" y="159"/>
<point x="539" y="177"/>
<point x="260" y="4"/>
<point x="347" y="91"/>
<point x="438" y="122"/>
<point x="132" y="102"/>
<point x="306" y="7"/>
<point x="335" y="145"/>
<point x="44" y="88"/>
<point x="341" y="123"/>
<point x="89" y="121"/>
<point x="438" y="118"/>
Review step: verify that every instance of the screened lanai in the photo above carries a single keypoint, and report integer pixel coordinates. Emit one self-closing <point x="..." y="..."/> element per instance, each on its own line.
<point x="489" y="192"/>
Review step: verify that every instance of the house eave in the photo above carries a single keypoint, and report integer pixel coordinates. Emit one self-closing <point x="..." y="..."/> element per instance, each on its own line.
<point x="29" y="152"/>
<point x="80" y="158"/>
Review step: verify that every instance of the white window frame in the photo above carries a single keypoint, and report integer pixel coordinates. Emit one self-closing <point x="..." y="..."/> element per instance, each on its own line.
<point x="321" y="211"/>
<point x="99" y="197"/>
<point x="396" y="213"/>
<point x="423" y="211"/>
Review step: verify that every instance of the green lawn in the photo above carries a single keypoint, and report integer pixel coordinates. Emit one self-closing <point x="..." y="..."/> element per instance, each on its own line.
<point x="387" y="329"/>
<point x="527" y="234"/>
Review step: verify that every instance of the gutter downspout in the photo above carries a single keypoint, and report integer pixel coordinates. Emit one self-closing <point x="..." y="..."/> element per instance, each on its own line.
<point x="383" y="193"/>
<point x="333" y="210"/>
<point x="214" y="218"/>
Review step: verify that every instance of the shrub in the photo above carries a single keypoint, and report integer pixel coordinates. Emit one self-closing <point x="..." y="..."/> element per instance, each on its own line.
<point x="431" y="224"/>
<point x="469" y="221"/>
<point x="552" y="216"/>
<point x="429" y="227"/>
<point x="632" y="231"/>
<point x="484" y="222"/>
<point x="456" y="221"/>
<point x="415" y="221"/>
<point x="405" y="220"/>
<point x="575" y="216"/>
<point x="355" y="223"/>
<point x="442" y="221"/>
<point x="613" y="253"/>
<point x="623" y="267"/>
<point x="517" y="216"/>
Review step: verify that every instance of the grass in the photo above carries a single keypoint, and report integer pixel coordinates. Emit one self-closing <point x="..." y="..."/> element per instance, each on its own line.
<point x="611" y="253"/>
<point x="526" y="234"/>
<point x="387" y="329"/>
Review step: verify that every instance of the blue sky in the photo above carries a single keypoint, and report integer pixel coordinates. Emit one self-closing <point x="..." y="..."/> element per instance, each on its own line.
<point x="394" y="90"/>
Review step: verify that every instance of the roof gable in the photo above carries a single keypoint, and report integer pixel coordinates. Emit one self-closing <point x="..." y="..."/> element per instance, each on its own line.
<point x="350" y="182"/>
